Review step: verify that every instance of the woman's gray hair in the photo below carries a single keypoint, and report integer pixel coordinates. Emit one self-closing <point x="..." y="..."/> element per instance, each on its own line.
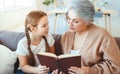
<point x="83" y="9"/>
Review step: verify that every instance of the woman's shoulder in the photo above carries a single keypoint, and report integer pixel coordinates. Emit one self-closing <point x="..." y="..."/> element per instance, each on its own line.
<point x="98" y="31"/>
<point x="68" y="33"/>
<point x="67" y="36"/>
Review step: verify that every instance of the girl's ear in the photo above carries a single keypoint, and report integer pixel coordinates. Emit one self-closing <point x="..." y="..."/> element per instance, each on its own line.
<point x="32" y="28"/>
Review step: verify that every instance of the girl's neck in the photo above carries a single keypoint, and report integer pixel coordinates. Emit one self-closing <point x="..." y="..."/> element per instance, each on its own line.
<point x="35" y="40"/>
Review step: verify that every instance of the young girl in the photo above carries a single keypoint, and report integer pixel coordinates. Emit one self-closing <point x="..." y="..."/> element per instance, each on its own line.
<point x="37" y="40"/>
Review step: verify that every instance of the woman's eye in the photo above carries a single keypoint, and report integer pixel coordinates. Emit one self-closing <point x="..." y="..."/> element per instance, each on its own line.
<point x="69" y="18"/>
<point x="76" y="21"/>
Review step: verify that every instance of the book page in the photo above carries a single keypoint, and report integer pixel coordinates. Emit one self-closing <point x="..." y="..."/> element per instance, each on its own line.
<point x="68" y="55"/>
<point x="68" y="60"/>
<point x="48" y="54"/>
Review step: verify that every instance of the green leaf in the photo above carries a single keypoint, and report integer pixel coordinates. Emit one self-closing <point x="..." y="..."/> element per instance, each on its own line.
<point x="47" y="2"/>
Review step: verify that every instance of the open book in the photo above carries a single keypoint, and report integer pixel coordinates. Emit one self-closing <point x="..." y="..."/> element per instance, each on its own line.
<point x="61" y="62"/>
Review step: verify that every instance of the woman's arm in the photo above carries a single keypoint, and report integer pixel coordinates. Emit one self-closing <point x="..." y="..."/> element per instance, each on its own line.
<point x="110" y="62"/>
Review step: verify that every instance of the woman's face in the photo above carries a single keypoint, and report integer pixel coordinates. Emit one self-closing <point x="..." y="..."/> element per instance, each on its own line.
<point x="76" y="24"/>
<point x="42" y="28"/>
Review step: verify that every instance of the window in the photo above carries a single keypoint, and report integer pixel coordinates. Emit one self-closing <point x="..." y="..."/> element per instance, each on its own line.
<point x="15" y="4"/>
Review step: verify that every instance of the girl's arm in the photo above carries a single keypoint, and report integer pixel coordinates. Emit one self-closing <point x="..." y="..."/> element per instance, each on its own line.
<point x="30" y="69"/>
<point x="24" y="65"/>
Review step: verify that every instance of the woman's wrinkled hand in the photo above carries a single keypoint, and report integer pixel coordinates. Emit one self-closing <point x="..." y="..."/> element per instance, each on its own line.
<point x="78" y="70"/>
<point x="42" y="70"/>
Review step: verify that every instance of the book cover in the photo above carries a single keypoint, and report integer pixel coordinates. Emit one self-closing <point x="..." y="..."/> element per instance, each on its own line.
<point x="61" y="62"/>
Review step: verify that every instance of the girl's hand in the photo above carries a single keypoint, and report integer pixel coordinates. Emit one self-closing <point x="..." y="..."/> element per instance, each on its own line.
<point x="57" y="72"/>
<point x="42" y="70"/>
<point x="78" y="70"/>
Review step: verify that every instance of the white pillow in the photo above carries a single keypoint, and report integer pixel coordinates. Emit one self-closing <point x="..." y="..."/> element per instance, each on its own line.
<point x="7" y="60"/>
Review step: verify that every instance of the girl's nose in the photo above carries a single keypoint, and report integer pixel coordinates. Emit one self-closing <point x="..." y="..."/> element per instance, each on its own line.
<point x="47" y="27"/>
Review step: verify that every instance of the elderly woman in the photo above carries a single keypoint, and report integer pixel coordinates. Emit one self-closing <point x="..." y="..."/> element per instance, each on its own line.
<point x="98" y="49"/>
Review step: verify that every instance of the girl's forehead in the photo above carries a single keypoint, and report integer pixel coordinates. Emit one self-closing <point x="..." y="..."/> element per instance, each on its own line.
<point x="43" y="19"/>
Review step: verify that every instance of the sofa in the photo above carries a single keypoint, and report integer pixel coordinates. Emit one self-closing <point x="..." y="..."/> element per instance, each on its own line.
<point x="10" y="39"/>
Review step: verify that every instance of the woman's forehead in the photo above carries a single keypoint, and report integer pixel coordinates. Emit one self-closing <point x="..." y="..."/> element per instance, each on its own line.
<point x="72" y="14"/>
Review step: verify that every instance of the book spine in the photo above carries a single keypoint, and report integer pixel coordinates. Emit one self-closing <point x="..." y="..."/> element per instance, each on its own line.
<point x="58" y="65"/>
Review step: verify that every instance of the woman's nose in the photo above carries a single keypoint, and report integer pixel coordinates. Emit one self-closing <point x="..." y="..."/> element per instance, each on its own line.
<point x="70" y="23"/>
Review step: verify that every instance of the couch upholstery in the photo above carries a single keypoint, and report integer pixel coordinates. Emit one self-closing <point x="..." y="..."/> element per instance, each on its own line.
<point x="10" y="39"/>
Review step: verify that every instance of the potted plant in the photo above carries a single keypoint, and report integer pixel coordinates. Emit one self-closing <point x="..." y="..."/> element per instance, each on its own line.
<point x="47" y="2"/>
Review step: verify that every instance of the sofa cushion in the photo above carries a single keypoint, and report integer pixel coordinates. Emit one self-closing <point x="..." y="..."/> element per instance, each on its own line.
<point x="7" y="60"/>
<point x="10" y="39"/>
<point x="58" y="49"/>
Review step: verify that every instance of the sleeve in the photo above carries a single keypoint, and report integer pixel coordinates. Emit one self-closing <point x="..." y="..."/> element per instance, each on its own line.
<point x="21" y="49"/>
<point x="111" y="57"/>
<point x="67" y="40"/>
<point x="50" y="40"/>
<point x="64" y="41"/>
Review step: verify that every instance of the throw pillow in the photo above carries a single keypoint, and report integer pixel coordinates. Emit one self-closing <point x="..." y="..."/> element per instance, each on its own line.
<point x="7" y="60"/>
<point x="11" y="39"/>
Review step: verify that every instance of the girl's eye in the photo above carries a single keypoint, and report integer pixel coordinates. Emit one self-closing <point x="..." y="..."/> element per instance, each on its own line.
<point x="44" y="25"/>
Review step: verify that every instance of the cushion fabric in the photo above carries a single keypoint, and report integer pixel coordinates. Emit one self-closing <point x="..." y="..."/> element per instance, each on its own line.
<point x="7" y="60"/>
<point x="58" y="49"/>
<point x="10" y="39"/>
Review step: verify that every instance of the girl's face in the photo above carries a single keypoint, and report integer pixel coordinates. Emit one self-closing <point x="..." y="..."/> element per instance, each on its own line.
<point x="42" y="28"/>
<point x="76" y="24"/>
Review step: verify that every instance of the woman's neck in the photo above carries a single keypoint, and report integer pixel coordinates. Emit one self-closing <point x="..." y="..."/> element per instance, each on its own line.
<point x="81" y="32"/>
<point x="84" y="29"/>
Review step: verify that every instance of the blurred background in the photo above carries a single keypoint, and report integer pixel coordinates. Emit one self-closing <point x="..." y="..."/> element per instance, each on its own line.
<point x="13" y="13"/>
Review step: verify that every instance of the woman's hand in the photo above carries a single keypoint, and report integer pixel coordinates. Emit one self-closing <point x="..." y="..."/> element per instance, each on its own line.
<point x="78" y="70"/>
<point x="57" y="72"/>
<point x="42" y="70"/>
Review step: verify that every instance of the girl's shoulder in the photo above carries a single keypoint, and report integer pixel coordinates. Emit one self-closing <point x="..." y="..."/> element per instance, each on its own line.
<point x="49" y="36"/>
<point x="23" y="41"/>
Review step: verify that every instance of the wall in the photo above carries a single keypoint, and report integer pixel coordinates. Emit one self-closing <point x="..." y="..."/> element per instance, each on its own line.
<point x="16" y="17"/>
<point x="11" y="18"/>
